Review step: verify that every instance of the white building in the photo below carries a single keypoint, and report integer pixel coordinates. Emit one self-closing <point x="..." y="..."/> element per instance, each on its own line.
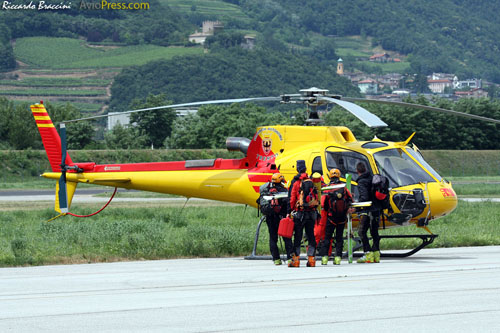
<point x="368" y="86"/>
<point x="209" y="28"/>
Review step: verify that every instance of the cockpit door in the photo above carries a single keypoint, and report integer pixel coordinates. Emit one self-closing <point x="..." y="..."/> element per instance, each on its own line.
<point x="346" y="161"/>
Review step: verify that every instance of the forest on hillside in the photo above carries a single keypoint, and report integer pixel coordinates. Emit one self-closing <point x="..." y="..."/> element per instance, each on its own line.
<point x="446" y="36"/>
<point x="223" y="74"/>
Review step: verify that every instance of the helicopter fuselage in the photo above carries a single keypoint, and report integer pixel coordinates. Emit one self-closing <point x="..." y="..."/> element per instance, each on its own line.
<point x="417" y="191"/>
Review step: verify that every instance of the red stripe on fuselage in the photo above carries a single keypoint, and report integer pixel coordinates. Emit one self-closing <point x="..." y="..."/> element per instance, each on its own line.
<point x="259" y="178"/>
<point x="219" y="164"/>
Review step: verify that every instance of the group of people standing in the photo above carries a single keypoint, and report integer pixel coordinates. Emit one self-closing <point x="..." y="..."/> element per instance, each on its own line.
<point x="309" y="195"/>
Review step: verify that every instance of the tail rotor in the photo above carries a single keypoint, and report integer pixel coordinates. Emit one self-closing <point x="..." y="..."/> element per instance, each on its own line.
<point x="62" y="191"/>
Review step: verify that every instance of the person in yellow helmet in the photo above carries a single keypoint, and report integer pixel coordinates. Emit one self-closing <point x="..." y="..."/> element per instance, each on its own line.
<point x="335" y="204"/>
<point x="274" y="210"/>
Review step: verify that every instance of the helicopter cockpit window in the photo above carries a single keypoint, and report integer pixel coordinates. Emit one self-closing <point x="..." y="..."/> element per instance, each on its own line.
<point x="345" y="161"/>
<point x="416" y="155"/>
<point x="316" y="166"/>
<point x="374" y="144"/>
<point x="399" y="168"/>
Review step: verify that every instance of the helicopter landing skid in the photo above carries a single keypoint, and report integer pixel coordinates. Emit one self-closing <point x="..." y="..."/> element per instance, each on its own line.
<point x="426" y="240"/>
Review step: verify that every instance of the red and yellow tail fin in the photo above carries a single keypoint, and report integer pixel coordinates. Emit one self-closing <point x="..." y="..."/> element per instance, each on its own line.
<point x="50" y="138"/>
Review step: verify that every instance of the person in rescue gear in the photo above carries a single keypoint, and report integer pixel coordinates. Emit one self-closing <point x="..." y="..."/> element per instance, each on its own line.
<point x="275" y="210"/>
<point x="335" y="204"/>
<point x="303" y="207"/>
<point x="368" y="217"/>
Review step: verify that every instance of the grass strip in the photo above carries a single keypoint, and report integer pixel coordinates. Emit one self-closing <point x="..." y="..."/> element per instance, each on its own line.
<point x="162" y="232"/>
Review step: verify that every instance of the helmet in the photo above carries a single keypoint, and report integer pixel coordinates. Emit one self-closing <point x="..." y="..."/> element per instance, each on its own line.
<point x="277" y="178"/>
<point x="334" y="173"/>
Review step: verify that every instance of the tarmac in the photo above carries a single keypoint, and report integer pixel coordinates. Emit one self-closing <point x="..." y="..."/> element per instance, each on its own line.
<point x="437" y="290"/>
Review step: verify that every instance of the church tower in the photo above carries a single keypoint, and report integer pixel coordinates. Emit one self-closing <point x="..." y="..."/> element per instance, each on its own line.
<point x="340" y="67"/>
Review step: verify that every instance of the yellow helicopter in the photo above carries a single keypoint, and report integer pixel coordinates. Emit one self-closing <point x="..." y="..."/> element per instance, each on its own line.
<point x="418" y="194"/>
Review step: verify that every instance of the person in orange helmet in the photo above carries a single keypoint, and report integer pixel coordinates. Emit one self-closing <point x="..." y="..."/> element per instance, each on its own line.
<point x="275" y="209"/>
<point x="335" y="205"/>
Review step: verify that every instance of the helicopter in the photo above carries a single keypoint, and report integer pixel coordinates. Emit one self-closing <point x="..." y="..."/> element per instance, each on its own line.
<point x="418" y="194"/>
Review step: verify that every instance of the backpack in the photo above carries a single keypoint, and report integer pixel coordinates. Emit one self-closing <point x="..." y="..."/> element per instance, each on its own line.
<point x="268" y="206"/>
<point x="264" y="205"/>
<point x="308" y="195"/>
<point x="338" y="202"/>
<point x="380" y="191"/>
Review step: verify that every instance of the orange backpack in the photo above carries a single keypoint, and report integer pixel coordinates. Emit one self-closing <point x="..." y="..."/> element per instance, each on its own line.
<point x="308" y="195"/>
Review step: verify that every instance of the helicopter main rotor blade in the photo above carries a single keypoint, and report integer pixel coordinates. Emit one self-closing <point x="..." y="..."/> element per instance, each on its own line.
<point x="220" y="101"/>
<point x="362" y="114"/>
<point x="425" y="107"/>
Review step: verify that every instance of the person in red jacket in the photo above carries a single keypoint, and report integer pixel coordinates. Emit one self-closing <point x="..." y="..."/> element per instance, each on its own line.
<point x="303" y="206"/>
<point x="335" y="204"/>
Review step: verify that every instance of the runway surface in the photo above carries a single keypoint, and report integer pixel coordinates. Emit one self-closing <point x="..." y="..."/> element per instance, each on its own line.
<point x="436" y="290"/>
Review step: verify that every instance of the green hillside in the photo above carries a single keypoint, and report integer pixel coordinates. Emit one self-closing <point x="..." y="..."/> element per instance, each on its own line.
<point x="57" y="53"/>
<point x="208" y="8"/>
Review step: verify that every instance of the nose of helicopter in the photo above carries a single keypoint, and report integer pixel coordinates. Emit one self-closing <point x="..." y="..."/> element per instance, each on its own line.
<point x="443" y="199"/>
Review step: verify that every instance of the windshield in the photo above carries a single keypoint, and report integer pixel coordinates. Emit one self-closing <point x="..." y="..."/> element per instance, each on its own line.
<point x="400" y="169"/>
<point x="416" y="155"/>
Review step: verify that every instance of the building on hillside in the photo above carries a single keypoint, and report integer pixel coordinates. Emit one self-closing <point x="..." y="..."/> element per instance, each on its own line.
<point x="444" y="76"/>
<point x="391" y="80"/>
<point x="438" y="86"/>
<point x="340" y="67"/>
<point x="368" y="87"/>
<point x="474" y="93"/>
<point x="209" y="28"/>
<point x="380" y="57"/>
<point x="248" y="42"/>
<point x="470" y="83"/>
<point x="115" y="118"/>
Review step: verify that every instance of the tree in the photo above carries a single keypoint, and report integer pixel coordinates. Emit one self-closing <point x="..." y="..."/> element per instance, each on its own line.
<point x="211" y="125"/>
<point x="155" y="125"/>
<point x="121" y="137"/>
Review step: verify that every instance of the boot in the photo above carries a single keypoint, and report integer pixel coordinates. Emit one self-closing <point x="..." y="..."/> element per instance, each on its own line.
<point x="277" y="262"/>
<point x="336" y="260"/>
<point x="311" y="261"/>
<point x="376" y="256"/>
<point x="324" y="260"/>
<point x="295" y="261"/>
<point x="367" y="258"/>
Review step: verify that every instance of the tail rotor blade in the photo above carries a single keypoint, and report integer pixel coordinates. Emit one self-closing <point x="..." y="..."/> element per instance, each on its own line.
<point x="63" y="193"/>
<point x="63" y="144"/>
